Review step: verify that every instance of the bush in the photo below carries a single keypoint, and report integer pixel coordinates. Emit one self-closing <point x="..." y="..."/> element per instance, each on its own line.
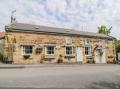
<point x="117" y="50"/>
<point x="1" y="57"/>
<point x="60" y="59"/>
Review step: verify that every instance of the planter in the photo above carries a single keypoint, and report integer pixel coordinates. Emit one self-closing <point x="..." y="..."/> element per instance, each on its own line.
<point x="26" y="56"/>
<point x="60" y="61"/>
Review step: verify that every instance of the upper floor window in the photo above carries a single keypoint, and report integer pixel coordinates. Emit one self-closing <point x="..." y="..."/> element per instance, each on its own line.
<point x="69" y="50"/>
<point x="27" y="50"/>
<point x="68" y="40"/>
<point x="87" y="50"/>
<point x="50" y="50"/>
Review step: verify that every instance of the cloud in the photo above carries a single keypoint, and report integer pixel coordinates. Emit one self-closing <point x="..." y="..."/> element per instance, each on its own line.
<point x="84" y="15"/>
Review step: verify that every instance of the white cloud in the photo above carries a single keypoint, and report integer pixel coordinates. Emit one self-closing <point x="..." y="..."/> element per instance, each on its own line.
<point x="81" y="14"/>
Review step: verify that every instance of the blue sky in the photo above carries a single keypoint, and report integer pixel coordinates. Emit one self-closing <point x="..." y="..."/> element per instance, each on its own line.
<point x="84" y="15"/>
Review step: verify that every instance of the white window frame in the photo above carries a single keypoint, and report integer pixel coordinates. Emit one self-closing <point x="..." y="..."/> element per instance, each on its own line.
<point x="66" y="50"/>
<point x="23" y="50"/>
<point x="89" y="51"/>
<point x="46" y="53"/>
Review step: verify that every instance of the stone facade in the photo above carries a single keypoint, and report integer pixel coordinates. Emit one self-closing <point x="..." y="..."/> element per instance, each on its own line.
<point x="14" y="42"/>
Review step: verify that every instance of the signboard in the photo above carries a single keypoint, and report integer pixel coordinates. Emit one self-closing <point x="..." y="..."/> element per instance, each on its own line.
<point x="119" y="56"/>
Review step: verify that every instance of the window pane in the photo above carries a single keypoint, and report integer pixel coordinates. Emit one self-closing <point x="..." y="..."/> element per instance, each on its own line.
<point x="87" y="50"/>
<point x="27" y="49"/>
<point x="50" y="50"/>
<point x="69" y="50"/>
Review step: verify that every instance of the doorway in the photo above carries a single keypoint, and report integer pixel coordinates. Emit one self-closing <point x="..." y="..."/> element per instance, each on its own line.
<point x="100" y="58"/>
<point x="79" y="54"/>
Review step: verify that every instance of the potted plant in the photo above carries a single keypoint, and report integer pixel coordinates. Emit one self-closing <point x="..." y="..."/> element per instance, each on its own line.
<point x="60" y="59"/>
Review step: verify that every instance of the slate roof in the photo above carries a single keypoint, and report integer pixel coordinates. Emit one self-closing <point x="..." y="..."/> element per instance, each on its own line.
<point x="45" y="29"/>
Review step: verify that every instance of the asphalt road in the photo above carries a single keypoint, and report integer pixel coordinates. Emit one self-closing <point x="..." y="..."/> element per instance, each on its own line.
<point x="99" y="76"/>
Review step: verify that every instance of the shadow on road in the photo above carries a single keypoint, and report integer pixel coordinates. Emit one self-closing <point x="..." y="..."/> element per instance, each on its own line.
<point x="100" y="85"/>
<point x="104" y="85"/>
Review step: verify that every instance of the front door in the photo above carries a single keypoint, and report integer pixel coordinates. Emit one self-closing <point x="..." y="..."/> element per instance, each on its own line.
<point x="100" y="58"/>
<point x="97" y="57"/>
<point x="79" y="55"/>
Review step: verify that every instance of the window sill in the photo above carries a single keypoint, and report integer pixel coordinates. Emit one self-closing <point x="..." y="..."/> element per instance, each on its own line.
<point x="50" y="56"/>
<point x="88" y="55"/>
<point x="27" y="54"/>
<point x="70" y="56"/>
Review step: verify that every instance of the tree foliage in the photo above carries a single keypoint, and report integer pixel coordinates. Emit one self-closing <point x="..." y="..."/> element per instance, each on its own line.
<point x="104" y="30"/>
<point x="118" y="48"/>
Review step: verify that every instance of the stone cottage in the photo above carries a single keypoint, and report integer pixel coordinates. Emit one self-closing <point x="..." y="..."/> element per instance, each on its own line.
<point x="27" y="43"/>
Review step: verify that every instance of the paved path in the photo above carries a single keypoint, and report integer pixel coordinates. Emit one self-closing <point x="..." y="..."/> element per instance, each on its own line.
<point x="99" y="76"/>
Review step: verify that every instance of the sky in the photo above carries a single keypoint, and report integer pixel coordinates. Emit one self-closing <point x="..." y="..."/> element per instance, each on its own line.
<point x="83" y="15"/>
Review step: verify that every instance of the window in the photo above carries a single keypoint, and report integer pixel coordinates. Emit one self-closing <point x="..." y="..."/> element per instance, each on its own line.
<point x="87" y="51"/>
<point x="68" y="40"/>
<point x="50" y="50"/>
<point x="27" y="50"/>
<point x="69" y="50"/>
<point x="38" y="50"/>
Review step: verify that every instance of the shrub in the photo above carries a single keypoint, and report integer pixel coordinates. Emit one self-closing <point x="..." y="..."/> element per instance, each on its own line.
<point x="1" y="57"/>
<point x="60" y="59"/>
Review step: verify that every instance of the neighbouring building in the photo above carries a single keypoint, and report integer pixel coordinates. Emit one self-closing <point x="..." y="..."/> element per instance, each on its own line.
<point x="2" y="39"/>
<point x="26" y="43"/>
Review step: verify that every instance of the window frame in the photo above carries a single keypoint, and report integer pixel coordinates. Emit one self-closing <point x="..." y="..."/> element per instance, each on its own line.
<point x="89" y="51"/>
<point x="71" y="50"/>
<point x="46" y="53"/>
<point x="30" y="50"/>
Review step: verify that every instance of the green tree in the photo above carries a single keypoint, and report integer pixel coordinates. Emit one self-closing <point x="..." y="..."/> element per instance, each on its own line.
<point x="104" y="30"/>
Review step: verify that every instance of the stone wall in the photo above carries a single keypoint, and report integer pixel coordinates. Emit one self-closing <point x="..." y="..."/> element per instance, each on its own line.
<point x="15" y="40"/>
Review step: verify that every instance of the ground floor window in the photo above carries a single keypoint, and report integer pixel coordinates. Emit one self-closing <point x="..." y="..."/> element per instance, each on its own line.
<point x="69" y="50"/>
<point x="38" y="50"/>
<point x="50" y="50"/>
<point x="87" y="50"/>
<point x="27" y="50"/>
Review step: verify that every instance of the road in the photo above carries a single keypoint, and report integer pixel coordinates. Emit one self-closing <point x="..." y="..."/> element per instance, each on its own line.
<point x="92" y="76"/>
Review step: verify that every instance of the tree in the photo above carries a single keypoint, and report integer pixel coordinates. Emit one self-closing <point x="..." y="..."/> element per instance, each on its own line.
<point x="104" y="30"/>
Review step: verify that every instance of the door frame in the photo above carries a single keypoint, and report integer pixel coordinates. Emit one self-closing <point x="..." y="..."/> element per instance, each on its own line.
<point x="102" y="58"/>
<point x="79" y="53"/>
